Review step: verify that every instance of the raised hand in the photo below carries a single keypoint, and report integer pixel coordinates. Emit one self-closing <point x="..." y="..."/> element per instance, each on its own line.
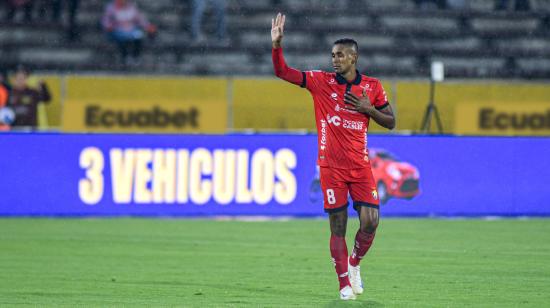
<point x="277" y="30"/>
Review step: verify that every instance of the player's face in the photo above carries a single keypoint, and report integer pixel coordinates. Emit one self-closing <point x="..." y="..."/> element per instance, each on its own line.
<point x="343" y="58"/>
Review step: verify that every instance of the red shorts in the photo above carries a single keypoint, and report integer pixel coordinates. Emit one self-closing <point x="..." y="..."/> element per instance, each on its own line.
<point x="337" y="183"/>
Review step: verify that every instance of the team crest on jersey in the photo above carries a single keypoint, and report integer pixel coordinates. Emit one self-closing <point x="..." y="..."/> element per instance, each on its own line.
<point x="375" y="194"/>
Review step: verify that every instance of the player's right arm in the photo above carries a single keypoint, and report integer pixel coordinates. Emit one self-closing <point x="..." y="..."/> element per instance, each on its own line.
<point x="282" y="70"/>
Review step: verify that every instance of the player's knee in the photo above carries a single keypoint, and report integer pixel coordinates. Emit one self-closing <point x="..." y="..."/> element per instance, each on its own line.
<point x="338" y="224"/>
<point x="369" y="225"/>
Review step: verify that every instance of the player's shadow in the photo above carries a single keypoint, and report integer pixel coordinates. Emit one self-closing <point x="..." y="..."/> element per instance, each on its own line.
<point x="356" y="303"/>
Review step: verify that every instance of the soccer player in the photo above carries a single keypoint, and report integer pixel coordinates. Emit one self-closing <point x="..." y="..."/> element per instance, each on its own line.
<point x="344" y="103"/>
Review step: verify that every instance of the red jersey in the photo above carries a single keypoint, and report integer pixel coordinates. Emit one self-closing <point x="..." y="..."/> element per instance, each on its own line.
<point x="342" y="133"/>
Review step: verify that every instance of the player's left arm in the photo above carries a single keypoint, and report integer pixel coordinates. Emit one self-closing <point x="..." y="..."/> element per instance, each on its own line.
<point x="383" y="114"/>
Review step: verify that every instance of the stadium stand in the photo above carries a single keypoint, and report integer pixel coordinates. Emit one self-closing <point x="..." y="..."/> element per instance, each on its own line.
<point x="396" y="39"/>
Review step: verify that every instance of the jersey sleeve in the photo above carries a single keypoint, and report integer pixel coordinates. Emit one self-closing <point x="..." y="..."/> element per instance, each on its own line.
<point x="380" y="99"/>
<point x="313" y="80"/>
<point x="283" y="71"/>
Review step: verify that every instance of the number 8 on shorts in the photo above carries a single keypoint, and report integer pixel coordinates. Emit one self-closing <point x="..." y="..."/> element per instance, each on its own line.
<point x="330" y="196"/>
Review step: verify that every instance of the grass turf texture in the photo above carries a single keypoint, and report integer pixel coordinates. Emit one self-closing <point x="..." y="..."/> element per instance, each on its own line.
<point x="418" y="262"/>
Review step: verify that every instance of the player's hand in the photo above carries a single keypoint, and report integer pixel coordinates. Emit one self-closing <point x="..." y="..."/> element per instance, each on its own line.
<point x="277" y="29"/>
<point x="360" y="104"/>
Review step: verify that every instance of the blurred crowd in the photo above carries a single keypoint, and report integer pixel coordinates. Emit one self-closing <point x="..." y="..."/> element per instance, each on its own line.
<point x="123" y="22"/>
<point x="128" y="28"/>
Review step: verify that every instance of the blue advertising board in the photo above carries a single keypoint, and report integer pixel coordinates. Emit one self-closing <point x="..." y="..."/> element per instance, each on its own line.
<point x="266" y="174"/>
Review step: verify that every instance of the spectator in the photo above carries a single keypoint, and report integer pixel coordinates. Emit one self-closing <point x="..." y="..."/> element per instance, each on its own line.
<point x="519" y="5"/>
<point x="126" y="26"/>
<point x="199" y="7"/>
<point x="14" y="5"/>
<point x="24" y="100"/>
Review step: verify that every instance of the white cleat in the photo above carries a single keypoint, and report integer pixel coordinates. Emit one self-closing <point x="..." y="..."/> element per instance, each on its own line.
<point x="347" y="294"/>
<point x="355" y="279"/>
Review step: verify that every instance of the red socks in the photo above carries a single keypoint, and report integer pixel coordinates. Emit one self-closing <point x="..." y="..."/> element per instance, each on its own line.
<point x="363" y="241"/>
<point x="339" y="253"/>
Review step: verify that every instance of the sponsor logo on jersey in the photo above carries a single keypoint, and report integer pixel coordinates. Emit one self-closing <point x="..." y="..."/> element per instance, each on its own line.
<point x="334" y="96"/>
<point x="375" y="194"/>
<point x="323" y="134"/>
<point x="348" y="124"/>
<point x="354" y="125"/>
<point x="334" y="120"/>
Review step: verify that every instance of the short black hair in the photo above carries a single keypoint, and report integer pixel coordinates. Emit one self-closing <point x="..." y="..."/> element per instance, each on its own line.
<point x="348" y="42"/>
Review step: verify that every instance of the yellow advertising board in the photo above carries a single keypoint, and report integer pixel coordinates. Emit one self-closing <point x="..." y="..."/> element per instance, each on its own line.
<point x="271" y="104"/>
<point x="503" y="119"/>
<point x="92" y="103"/>
<point x="413" y="96"/>
<point x="157" y="105"/>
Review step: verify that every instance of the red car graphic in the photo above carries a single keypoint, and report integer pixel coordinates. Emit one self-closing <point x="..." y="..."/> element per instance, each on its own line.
<point x="394" y="178"/>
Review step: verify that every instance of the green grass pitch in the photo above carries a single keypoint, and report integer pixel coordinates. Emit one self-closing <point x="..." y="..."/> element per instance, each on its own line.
<point x="206" y="263"/>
